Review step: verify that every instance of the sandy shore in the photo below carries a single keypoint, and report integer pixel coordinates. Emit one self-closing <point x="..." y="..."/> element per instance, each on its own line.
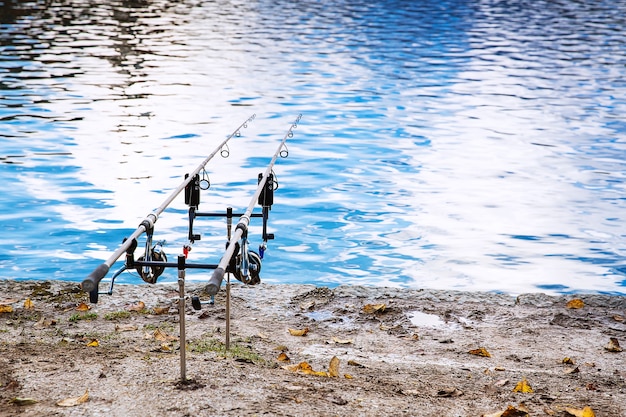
<point x="365" y="351"/>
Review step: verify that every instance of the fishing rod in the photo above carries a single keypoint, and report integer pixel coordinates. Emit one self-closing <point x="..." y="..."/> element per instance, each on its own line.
<point x="90" y="284"/>
<point x="247" y="263"/>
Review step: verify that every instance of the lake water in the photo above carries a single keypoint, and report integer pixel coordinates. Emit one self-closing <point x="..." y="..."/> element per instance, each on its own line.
<point x="472" y="145"/>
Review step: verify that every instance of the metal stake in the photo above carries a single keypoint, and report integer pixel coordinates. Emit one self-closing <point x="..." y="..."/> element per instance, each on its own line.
<point x="181" y="312"/>
<point x="229" y="225"/>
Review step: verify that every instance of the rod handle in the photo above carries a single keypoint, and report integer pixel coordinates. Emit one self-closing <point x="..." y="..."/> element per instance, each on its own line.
<point x="91" y="282"/>
<point x="215" y="282"/>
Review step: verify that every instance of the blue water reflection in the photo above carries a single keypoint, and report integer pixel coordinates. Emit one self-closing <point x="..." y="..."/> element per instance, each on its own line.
<point x="458" y="144"/>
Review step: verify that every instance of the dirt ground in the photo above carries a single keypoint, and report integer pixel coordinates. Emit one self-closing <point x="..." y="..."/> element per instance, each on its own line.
<point x="366" y="352"/>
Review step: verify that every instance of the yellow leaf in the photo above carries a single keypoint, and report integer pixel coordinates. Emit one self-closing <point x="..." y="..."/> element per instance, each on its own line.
<point x="374" y="308"/>
<point x="23" y="401"/>
<point x="523" y="386"/>
<point x="305" y="368"/>
<point x="575" y="303"/>
<point x="333" y="367"/>
<point x="342" y="341"/>
<point x="93" y="343"/>
<point x="301" y="332"/>
<point x="568" y="361"/>
<point x="139" y="307"/>
<point x="480" y="352"/>
<point x="585" y="412"/>
<point x="28" y="304"/>
<point x="283" y="357"/>
<point x="6" y="309"/>
<point x="613" y="345"/>
<point x="71" y="402"/>
<point x="83" y="307"/>
<point x="348" y="376"/>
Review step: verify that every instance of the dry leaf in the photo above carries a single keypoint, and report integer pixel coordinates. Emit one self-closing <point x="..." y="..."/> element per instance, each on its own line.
<point x="283" y="357"/>
<point x="613" y="345"/>
<point x="71" y="402"/>
<point x="6" y="309"/>
<point x="585" y="412"/>
<point x="342" y="341"/>
<point x="568" y="361"/>
<point x="619" y="318"/>
<point x="501" y="383"/>
<point x="374" y="308"/>
<point x="28" y="304"/>
<point x="161" y="310"/>
<point x="281" y="348"/>
<point x="480" y="352"/>
<point x="125" y="327"/>
<point x="449" y="392"/>
<point x="575" y="303"/>
<point x="572" y="370"/>
<point x="139" y="307"/>
<point x="302" y="332"/>
<point x="83" y="307"/>
<point x="510" y="412"/>
<point x="333" y="367"/>
<point x="93" y="343"/>
<point x="161" y="336"/>
<point x="523" y="386"/>
<point x="355" y="363"/>
<point x="44" y="322"/>
<point x="348" y="376"/>
<point x="23" y="401"/>
<point x="305" y="368"/>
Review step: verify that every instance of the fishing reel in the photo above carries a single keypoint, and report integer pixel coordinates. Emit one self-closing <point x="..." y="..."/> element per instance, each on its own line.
<point x="245" y="264"/>
<point x="154" y="254"/>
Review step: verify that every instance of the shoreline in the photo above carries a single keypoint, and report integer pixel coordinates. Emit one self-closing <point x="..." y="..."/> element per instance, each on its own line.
<point x="399" y="351"/>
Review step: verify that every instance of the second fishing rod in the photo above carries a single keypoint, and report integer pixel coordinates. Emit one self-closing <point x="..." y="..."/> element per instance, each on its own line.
<point x="245" y="264"/>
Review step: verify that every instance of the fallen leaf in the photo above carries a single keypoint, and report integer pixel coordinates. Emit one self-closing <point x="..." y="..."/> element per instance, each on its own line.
<point x="509" y="412"/>
<point x="572" y="370"/>
<point x="568" y="361"/>
<point x="125" y="327"/>
<point x="71" y="402"/>
<point x="83" y="307"/>
<point x="449" y="392"/>
<point x="523" y="386"/>
<point x="44" y="322"/>
<point x="282" y="348"/>
<point x="28" y="304"/>
<point x="480" y="352"/>
<point x="9" y="301"/>
<point x="161" y="336"/>
<point x="619" y="318"/>
<point x="342" y="341"/>
<point x="139" y="307"/>
<point x="585" y="412"/>
<point x="305" y="368"/>
<point x="373" y="308"/>
<point x="161" y="310"/>
<point x="23" y="401"/>
<point x="300" y="332"/>
<point x="355" y="363"/>
<point x="575" y="303"/>
<point x="6" y="309"/>
<point x="283" y="357"/>
<point x="93" y="343"/>
<point x="348" y="376"/>
<point x="613" y="345"/>
<point x="333" y="367"/>
<point x="501" y="383"/>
